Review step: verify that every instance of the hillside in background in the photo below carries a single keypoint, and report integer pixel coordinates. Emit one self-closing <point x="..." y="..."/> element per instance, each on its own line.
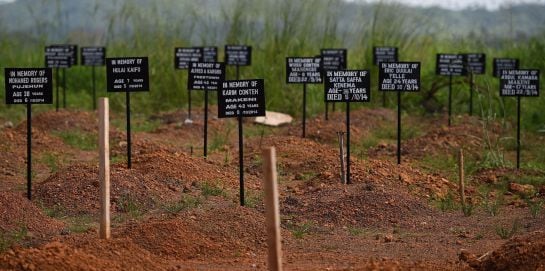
<point x="55" y="20"/>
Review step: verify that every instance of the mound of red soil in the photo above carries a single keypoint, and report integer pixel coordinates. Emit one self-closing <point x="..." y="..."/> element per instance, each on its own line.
<point x="220" y="232"/>
<point x="17" y="212"/>
<point x="362" y="121"/>
<point x="443" y="140"/>
<point x="310" y="164"/>
<point x="90" y="254"/>
<point x="494" y="175"/>
<point x="66" y="120"/>
<point x="13" y="148"/>
<point x="158" y="176"/>
<point x="364" y="205"/>
<point x="216" y="230"/>
<point x="520" y="253"/>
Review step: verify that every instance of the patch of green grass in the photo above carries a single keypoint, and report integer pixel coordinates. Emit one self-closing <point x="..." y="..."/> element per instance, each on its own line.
<point x="212" y="189"/>
<point x="185" y="203"/>
<point x="145" y="125"/>
<point x="367" y="142"/>
<point x="253" y="198"/>
<point x="79" y="139"/>
<point x="468" y="208"/>
<point x="51" y="161"/>
<point x="299" y="231"/>
<point x="7" y="239"/>
<point x="493" y="159"/>
<point x="491" y="204"/>
<point x="257" y="130"/>
<point x="506" y="233"/>
<point x="536" y="207"/>
<point x="356" y="231"/>
<point x="448" y="203"/>
<point x="444" y="163"/>
<point x="130" y="206"/>
<point x="56" y="211"/>
<point x="390" y="132"/>
<point x="257" y="161"/>
<point x="308" y="177"/>
<point x="118" y="159"/>
<point x="536" y="181"/>
<point x="81" y="224"/>
<point x="218" y="141"/>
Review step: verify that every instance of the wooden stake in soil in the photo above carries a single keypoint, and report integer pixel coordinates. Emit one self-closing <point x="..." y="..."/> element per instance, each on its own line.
<point x="104" y="167"/>
<point x="272" y="210"/>
<point x="341" y="156"/>
<point x="461" y="175"/>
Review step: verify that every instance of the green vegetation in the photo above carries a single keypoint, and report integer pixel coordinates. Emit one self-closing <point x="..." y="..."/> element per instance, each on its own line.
<point x="536" y="207"/>
<point x="185" y="203"/>
<point x="212" y="189"/>
<point x="300" y="230"/>
<point x="130" y="206"/>
<point x="56" y="211"/>
<point x="275" y="29"/>
<point x="253" y="198"/>
<point x="506" y="233"/>
<point x="448" y="203"/>
<point x="491" y="202"/>
<point x="79" y="139"/>
<point x="7" y="239"/>
<point x="51" y="160"/>
<point x="81" y="224"/>
<point x="218" y="138"/>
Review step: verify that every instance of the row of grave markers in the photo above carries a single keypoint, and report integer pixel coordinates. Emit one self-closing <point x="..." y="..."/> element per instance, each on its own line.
<point x="64" y="56"/>
<point x="246" y="98"/>
<point x="237" y="98"/>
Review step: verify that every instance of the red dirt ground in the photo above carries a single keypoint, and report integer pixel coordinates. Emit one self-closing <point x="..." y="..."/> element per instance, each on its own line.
<point x="385" y="220"/>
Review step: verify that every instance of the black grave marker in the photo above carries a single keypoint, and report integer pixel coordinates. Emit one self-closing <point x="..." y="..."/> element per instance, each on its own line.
<point x="450" y="65"/>
<point x="333" y="59"/>
<point x="400" y="77"/>
<point x="206" y="76"/>
<point x="499" y="64"/>
<point x="347" y="86"/>
<point x="519" y="83"/>
<point x="241" y="98"/>
<point x="60" y="57"/>
<point x="127" y="74"/>
<point x="183" y="56"/>
<point x="238" y="55"/>
<point x="94" y="57"/>
<point x="384" y="54"/>
<point x="303" y="70"/>
<point x="28" y="86"/>
<point x="475" y="64"/>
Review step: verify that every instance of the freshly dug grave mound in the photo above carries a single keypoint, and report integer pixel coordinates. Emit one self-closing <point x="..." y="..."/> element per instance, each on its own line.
<point x="362" y="205"/>
<point x="362" y="121"/>
<point x="444" y="140"/>
<point x="520" y="253"/>
<point x="13" y="148"/>
<point x="18" y="213"/>
<point x="157" y="177"/>
<point x="216" y="230"/>
<point x="306" y="164"/>
<point x="495" y="175"/>
<point x="89" y="254"/>
<point x="66" y="120"/>
<point x="336" y="262"/>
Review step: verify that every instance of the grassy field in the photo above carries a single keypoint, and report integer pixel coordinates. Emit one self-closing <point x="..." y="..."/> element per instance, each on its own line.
<point x="275" y="30"/>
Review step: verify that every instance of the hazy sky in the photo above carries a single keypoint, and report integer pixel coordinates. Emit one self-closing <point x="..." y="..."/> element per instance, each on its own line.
<point x="450" y="4"/>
